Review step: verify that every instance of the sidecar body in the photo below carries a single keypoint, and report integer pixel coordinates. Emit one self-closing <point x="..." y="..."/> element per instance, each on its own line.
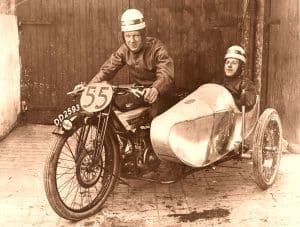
<point x="199" y="129"/>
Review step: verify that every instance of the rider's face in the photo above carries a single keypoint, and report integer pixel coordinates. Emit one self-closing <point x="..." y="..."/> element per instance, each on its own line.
<point x="133" y="40"/>
<point x="231" y="66"/>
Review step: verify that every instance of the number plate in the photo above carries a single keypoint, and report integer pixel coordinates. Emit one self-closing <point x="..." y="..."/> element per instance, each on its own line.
<point x="65" y="114"/>
<point x="96" y="97"/>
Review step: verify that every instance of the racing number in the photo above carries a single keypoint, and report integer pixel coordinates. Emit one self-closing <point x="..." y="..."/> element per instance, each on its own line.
<point x="90" y="92"/>
<point x="100" y="94"/>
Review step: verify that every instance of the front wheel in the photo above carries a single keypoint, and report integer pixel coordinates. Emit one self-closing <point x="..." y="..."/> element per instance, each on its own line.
<point x="267" y="148"/>
<point x="75" y="185"/>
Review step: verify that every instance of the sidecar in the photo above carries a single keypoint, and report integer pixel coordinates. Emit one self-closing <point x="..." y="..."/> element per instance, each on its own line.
<point x="206" y="127"/>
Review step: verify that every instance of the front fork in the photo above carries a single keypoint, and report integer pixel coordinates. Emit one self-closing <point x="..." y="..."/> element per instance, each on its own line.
<point x="97" y="143"/>
<point x="102" y="123"/>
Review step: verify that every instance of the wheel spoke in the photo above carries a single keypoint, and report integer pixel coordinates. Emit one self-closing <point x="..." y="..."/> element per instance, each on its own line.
<point x="65" y="184"/>
<point x="74" y="199"/>
<point x="70" y="150"/>
<point x="70" y="189"/>
<point x="67" y="160"/>
<point x="58" y="176"/>
<point x="77" y="135"/>
<point x="65" y="167"/>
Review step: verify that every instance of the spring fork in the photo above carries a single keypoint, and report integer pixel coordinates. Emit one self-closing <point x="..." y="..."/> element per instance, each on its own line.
<point x="101" y="127"/>
<point x="82" y="139"/>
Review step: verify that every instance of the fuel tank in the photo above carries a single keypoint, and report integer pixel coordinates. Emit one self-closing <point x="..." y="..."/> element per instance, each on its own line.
<point x="196" y="130"/>
<point x="133" y="118"/>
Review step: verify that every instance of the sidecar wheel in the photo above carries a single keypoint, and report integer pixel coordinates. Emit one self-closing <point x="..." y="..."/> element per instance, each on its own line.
<point x="75" y="186"/>
<point x="267" y="148"/>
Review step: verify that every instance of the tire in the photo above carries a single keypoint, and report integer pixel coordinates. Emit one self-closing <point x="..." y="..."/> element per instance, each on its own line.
<point x="76" y="189"/>
<point x="267" y="148"/>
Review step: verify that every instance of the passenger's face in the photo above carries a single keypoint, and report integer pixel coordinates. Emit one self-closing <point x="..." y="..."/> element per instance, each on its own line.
<point x="231" y="66"/>
<point x="133" y="40"/>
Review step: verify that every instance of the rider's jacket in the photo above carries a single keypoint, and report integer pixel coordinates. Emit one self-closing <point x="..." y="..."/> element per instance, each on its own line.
<point x="235" y="86"/>
<point x="151" y="66"/>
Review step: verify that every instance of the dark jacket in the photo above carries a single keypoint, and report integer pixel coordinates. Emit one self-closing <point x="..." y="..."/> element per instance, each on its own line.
<point x="151" y="66"/>
<point x="235" y="86"/>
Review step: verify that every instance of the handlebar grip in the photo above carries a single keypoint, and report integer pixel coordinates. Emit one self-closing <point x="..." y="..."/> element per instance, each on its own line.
<point x="70" y="93"/>
<point x="75" y="92"/>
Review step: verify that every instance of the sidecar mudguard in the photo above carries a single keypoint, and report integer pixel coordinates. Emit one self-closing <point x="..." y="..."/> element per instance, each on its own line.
<point x="196" y="130"/>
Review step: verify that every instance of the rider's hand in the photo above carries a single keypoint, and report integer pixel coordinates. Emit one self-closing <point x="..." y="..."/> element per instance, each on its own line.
<point x="151" y="94"/>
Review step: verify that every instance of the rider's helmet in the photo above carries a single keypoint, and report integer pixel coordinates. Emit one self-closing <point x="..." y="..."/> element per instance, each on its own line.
<point x="237" y="52"/>
<point x="132" y="20"/>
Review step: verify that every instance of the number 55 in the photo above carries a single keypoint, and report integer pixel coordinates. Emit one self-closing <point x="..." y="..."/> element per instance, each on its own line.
<point x="91" y="94"/>
<point x="96" y="97"/>
<point x="104" y="96"/>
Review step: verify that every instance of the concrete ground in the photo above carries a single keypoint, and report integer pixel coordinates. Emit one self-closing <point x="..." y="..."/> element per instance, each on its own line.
<point x="224" y="196"/>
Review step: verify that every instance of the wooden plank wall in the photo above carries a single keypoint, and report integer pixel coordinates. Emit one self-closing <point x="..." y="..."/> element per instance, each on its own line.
<point x="64" y="42"/>
<point x="283" y="79"/>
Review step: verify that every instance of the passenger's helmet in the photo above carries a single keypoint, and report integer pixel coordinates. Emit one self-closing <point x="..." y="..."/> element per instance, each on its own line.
<point x="236" y="52"/>
<point x="132" y="20"/>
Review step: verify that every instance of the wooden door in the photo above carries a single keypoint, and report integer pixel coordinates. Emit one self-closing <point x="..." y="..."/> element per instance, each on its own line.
<point x="63" y="42"/>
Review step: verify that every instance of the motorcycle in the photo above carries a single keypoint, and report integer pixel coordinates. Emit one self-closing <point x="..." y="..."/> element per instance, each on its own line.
<point x="100" y="143"/>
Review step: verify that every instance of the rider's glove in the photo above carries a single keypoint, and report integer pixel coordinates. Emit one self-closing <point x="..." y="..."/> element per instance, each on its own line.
<point x="151" y="94"/>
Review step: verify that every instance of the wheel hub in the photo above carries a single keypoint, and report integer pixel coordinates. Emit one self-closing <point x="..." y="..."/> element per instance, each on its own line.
<point x="88" y="171"/>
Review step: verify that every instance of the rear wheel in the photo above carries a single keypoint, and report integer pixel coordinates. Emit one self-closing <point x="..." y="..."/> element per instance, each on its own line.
<point x="75" y="185"/>
<point x="267" y="148"/>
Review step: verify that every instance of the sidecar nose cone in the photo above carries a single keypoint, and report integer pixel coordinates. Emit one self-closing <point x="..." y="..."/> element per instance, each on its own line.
<point x="188" y="132"/>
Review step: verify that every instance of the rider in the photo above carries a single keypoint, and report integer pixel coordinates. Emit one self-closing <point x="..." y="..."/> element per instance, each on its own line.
<point x="242" y="89"/>
<point x="148" y="62"/>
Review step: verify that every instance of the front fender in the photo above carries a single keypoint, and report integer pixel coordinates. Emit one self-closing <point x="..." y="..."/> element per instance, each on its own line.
<point x="58" y="131"/>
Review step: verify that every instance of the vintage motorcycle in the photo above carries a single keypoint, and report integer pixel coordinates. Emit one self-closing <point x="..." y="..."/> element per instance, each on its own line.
<point x="100" y="143"/>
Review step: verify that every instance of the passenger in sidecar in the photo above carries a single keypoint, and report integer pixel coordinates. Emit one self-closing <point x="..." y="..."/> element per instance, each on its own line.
<point x="241" y="88"/>
<point x="207" y="124"/>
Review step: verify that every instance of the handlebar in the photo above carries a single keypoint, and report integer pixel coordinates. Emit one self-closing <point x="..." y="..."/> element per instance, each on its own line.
<point x="137" y="90"/>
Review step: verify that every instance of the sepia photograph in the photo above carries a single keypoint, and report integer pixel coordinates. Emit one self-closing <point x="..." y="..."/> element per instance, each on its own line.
<point x="145" y="113"/>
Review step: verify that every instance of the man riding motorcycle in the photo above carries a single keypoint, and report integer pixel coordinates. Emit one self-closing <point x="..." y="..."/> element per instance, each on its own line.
<point x="148" y="62"/>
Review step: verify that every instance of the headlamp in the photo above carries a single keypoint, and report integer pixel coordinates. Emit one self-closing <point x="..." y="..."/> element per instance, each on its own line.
<point x="67" y="124"/>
